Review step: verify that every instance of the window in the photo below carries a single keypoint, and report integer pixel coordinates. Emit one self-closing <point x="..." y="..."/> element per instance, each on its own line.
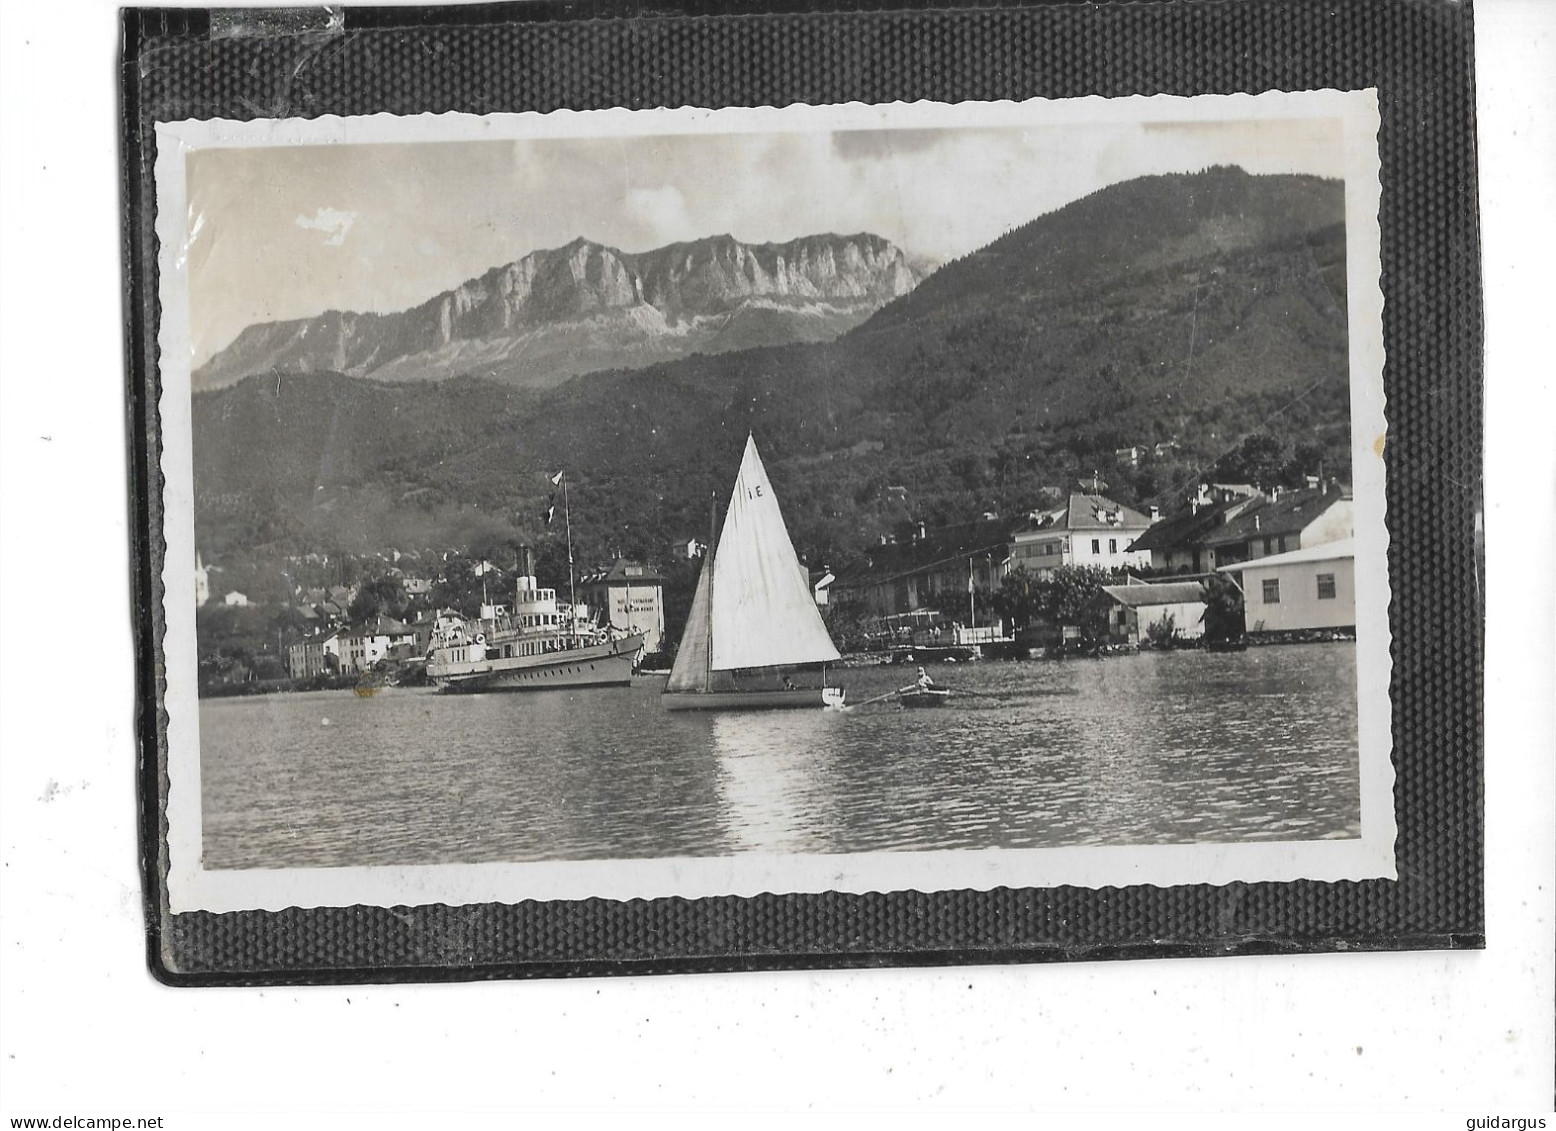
<point x="1266" y="545"/>
<point x="1096" y="545"/>
<point x="1280" y="544"/>
<point x="1326" y="587"/>
<point x="1112" y="545"/>
<point x="1272" y="591"/>
<point x="1051" y="549"/>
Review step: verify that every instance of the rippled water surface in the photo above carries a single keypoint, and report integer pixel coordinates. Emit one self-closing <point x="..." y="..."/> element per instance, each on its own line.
<point x="1147" y="749"/>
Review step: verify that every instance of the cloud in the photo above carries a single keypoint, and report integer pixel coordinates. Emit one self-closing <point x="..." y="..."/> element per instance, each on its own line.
<point x="334" y="223"/>
<point x="661" y="211"/>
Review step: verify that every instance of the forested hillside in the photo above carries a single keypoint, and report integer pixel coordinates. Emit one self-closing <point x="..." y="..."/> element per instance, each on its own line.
<point x="1185" y="311"/>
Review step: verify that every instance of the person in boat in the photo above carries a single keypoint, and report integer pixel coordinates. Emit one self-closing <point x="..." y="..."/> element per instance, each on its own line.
<point x="924" y="683"/>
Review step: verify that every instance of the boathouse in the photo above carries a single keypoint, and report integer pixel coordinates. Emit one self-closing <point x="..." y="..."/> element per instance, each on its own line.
<point x="1138" y="606"/>
<point x="1313" y="588"/>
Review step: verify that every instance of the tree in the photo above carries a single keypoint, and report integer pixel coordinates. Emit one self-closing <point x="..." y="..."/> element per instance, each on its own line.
<point x="1163" y="632"/>
<point x="382" y="595"/>
<point x="1260" y="459"/>
<point x="1223" y="609"/>
<point x="1073" y="596"/>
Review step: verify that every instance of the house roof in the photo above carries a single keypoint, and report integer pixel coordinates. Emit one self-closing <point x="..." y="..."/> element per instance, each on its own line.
<point x="618" y="572"/>
<point x="1164" y="593"/>
<point x="1090" y="512"/>
<point x="1289" y="514"/>
<point x="1187" y="526"/>
<point x="390" y="626"/>
<point x="1323" y="552"/>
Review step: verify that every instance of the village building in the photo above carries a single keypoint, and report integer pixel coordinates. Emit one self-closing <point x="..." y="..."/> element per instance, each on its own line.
<point x="415" y="587"/>
<point x="360" y="651"/>
<point x="1225" y="523"/>
<point x="1300" y="590"/>
<point x="305" y="659"/>
<point x="401" y="636"/>
<point x="630" y="597"/>
<point x="1138" y="606"/>
<point x="901" y="578"/>
<point x="331" y="647"/>
<point x="1177" y="543"/>
<point x="1283" y="521"/>
<point x="821" y="586"/>
<point x="1089" y="530"/>
<point x="236" y="599"/>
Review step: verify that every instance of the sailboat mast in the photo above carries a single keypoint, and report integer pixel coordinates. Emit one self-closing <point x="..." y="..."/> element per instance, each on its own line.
<point x="972" y="608"/>
<point x="713" y="523"/>
<point x="567" y="518"/>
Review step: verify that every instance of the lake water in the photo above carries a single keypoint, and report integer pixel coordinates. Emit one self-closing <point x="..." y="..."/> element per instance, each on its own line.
<point x="1146" y="749"/>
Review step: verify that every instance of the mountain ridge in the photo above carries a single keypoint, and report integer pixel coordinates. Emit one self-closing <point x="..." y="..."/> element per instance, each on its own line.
<point x="586" y="306"/>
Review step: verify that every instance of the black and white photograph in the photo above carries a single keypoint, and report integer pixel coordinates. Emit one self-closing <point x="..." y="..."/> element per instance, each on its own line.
<point x="710" y="502"/>
<point x="777" y="560"/>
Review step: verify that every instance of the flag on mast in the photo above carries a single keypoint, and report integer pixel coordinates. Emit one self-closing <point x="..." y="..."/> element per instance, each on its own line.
<point x="555" y="479"/>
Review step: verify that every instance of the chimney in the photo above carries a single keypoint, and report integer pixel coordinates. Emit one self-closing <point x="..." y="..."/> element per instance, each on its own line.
<point x="1256" y="525"/>
<point x="921" y="534"/>
<point x="1154" y="511"/>
<point x="1323" y="488"/>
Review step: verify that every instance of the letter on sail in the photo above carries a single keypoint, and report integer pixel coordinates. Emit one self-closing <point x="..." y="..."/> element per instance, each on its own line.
<point x="763" y="614"/>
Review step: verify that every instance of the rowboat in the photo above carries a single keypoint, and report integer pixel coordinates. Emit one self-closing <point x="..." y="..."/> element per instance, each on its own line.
<point x="924" y="697"/>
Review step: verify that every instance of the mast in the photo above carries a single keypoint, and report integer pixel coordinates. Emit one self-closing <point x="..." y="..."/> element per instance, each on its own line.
<point x="572" y="595"/>
<point x="972" y="608"/>
<point x="713" y="522"/>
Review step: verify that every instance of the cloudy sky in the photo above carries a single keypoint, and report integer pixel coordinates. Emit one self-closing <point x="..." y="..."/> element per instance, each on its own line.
<point x="289" y="232"/>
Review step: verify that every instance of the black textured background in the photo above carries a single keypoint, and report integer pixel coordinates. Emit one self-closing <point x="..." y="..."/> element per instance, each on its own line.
<point x="481" y="59"/>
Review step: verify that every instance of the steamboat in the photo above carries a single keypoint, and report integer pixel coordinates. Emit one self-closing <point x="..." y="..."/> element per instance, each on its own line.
<point x="541" y="644"/>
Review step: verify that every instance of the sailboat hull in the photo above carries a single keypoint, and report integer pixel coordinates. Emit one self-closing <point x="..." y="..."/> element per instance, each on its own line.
<point x="752" y="700"/>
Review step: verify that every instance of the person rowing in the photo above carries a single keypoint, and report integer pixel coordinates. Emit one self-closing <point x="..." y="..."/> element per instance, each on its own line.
<point x="924" y="683"/>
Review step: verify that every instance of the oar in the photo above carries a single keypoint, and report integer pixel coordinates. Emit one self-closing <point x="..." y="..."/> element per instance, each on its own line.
<point x="979" y="694"/>
<point x="878" y="698"/>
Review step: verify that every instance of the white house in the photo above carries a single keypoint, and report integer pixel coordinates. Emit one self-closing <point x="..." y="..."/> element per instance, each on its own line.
<point x="1303" y="589"/>
<point x="235" y="598"/>
<point x="821" y="588"/>
<point x="1089" y="530"/>
<point x="632" y="598"/>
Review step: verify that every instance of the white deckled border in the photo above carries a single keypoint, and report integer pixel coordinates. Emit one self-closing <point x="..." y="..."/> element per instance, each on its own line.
<point x="191" y="887"/>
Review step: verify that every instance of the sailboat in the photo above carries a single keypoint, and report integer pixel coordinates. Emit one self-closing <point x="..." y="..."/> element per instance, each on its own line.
<point x="753" y="618"/>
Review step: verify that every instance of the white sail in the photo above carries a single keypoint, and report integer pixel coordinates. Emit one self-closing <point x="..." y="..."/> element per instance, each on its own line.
<point x="690" y="670"/>
<point x="763" y="613"/>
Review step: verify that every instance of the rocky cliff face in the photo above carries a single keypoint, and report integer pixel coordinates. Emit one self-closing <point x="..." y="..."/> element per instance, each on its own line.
<point x="584" y="307"/>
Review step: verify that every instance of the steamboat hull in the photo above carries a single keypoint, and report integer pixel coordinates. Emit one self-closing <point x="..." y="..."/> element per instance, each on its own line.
<point x="603" y="665"/>
<point x="751" y="700"/>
